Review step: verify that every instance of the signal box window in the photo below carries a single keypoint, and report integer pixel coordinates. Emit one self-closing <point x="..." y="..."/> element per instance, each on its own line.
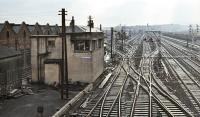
<point x="81" y="46"/>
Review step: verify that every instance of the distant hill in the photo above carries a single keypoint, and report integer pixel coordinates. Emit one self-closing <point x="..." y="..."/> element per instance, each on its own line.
<point x="164" y="28"/>
<point x="171" y="28"/>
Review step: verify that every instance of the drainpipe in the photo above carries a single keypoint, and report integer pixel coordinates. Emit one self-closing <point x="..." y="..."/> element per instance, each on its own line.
<point x="38" y="58"/>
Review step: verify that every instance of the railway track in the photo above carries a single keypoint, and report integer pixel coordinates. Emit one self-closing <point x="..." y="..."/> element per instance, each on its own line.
<point x="151" y="99"/>
<point x="186" y="78"/>
<point x="189" y="61"/>
<point x="132" y="92"/>
<point x="183" y="43"/>
<point x="110" y="103"/>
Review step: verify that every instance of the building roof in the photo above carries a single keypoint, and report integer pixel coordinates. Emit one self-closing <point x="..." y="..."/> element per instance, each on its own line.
<point x="31" y="28"/>
<point x="78" y="29"/>
<point x="87" y="29"/>
<point x="43" y="28"/>
<point x="46" y="28"/>
<point x="55" y="29"/>
<point x="16" y="27"/>
<point x="6" y="52"/>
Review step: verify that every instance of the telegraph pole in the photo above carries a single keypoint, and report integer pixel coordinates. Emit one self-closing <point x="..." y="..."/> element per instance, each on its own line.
<point x="64" y="65"/>
<point x="190" y="33"/>
<point x="159" y="43"/>
<point x="111" y="41"/>
<point x="65" y="52"/>
<point x="122" y="37"/>
<point x="100" y="27"/>
<point x="90" y="23"/>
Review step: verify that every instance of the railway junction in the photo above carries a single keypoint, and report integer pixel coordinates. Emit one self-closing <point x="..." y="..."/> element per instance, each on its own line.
<point x="127" y="58"/>
<point x="153" y="76"/>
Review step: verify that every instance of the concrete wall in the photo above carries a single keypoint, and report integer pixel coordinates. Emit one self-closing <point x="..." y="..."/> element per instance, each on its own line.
<point x="34" y="59"/>
<point x="52" y="73"/>
<point x="98" y="63"/>
<point x="56" y="52"/>
<point x="87" y="66"/>
<point x="83" y="67"/>
<point x="42" y="54"/>
<point x="79" y="64"/>
<point x="80" y="67"/>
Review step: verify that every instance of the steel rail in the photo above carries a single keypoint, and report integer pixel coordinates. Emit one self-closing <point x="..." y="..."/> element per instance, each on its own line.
<point x="104" y="99"/>
<point x="193" y="96"/>
<point x="116" y="75"/>
<point x="182" y="68"/>
<point x="136" y="94"/>
<point x="154" y="97"/>
<point x="118" y="97"/>
<point x="189" y="65"/>
<point x="150" y="91"/>
<point x="167" y="95"/>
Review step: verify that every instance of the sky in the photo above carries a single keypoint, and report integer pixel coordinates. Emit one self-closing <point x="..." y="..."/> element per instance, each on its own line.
<point x="105" y="12"/>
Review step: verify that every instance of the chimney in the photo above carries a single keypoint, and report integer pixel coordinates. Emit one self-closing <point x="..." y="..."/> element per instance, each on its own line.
<point x="100" y="27"/>
<point x="72" y="24"/>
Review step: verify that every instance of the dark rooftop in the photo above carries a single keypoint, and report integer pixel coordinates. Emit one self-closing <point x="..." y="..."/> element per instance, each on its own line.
<point x="16" y="27"/>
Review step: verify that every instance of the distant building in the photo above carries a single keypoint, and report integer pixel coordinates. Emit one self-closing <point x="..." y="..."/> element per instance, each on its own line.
<point x="18" y="36"/>
<point x="85" y="55"/>
<point x="10" y="70"/>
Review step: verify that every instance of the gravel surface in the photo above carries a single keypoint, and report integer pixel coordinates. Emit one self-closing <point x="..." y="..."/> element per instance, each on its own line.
<point x="26" y="106"/>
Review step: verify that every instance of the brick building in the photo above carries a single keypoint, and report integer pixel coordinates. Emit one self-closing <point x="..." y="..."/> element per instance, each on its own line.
<point x="18" y="36"/>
